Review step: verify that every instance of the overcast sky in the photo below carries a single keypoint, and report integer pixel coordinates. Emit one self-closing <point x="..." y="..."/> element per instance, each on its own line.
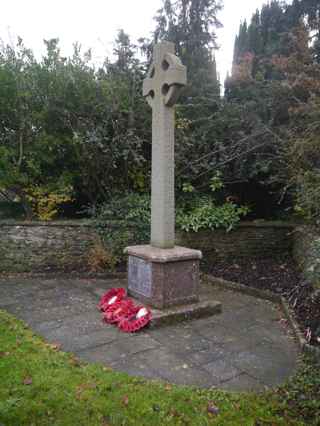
<point x="94" y="23"/>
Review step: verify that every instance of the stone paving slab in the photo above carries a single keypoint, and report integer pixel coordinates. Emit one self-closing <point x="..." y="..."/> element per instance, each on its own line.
<point x="243" y="348"/>
<point x="80" y="324"/>
<point x="72" y="341"/>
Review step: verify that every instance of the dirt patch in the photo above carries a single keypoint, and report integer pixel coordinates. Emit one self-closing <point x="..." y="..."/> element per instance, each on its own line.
<point x="280" y="276"/>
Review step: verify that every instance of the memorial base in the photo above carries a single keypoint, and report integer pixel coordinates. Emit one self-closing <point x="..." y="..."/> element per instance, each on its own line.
<point x="176" y="314"/>
<point x="163" y="278"/>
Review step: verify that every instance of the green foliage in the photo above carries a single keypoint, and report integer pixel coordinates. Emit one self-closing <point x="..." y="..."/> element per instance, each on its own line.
<point x="125" y="220"/>
<point x="45" y="203"/>
<point x="187" y="187"/>
<point x="275" y="79"/>
<point x="62" y="126"/>
<point x="191" y="26"/>
<point x="308" y="196"/>
<point x="66" y="124"/>
<point x="302" y="392"/>
<point x="197" y="212"/>
<point x="205" y="214"/>
<point x="264" y="34"/>
<point x="216" y="182"/>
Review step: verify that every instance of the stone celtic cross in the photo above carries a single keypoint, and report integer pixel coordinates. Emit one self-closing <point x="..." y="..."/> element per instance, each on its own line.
<point x="162" y="87"/>
<point x="162" y="274"/>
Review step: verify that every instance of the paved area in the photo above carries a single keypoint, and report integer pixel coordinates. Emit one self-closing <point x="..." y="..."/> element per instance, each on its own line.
<point x="244" y="348"/>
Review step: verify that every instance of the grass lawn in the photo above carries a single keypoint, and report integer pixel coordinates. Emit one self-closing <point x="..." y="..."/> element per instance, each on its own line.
<point x="39" y="385"/>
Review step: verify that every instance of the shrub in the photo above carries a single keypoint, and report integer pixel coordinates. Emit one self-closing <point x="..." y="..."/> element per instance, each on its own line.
<point x="100" y="258"/>
<point x="45" y="203"/>
<point x="207" y="215"/>
<point x="125" y="220"/>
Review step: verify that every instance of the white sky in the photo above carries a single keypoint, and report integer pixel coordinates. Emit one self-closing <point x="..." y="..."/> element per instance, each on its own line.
<point x="94" y="23"/>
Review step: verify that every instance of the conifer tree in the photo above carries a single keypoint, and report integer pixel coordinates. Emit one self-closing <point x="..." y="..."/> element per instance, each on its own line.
<point x="191" y="25"/>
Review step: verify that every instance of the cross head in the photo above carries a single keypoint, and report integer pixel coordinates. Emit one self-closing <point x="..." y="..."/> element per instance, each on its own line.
<point x="166" y="76"/>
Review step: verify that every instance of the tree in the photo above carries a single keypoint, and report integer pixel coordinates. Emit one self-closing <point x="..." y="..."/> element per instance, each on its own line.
<point x="69" y="131"/>
<point x="191" y="25"/>
<point x="276" y="80"/>
<point x="19" y="109"/>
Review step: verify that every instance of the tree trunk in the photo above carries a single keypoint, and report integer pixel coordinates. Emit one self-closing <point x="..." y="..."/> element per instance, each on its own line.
<point x="29" y="215"/>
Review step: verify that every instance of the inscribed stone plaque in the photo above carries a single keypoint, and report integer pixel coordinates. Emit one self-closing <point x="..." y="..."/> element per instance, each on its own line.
<point x="140" y="276"/>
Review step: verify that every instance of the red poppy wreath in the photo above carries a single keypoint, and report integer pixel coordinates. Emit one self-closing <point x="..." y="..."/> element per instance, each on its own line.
<point x="112" y="296"/>
<point x="139" y="318"/>
<point x="118" y="309"/>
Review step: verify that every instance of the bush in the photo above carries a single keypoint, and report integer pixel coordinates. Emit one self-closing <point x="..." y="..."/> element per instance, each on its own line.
<point x="45" y="203"/>
<point x="99" y="258"/>
<point x="308" y="196"/>
<point x="126" y="220"/>
<point x="207" y="215"/>
<point x="123" y="221"/>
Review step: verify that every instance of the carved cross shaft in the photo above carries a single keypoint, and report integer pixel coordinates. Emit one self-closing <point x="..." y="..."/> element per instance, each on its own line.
<point x="162" y="87"/>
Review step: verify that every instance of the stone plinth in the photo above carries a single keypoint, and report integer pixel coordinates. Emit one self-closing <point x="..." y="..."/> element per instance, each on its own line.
<point x="163" y="277"/>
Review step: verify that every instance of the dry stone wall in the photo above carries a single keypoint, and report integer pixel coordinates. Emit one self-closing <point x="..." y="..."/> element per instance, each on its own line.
<point x="46" y="246"/>
<point x="38" y="246"/>
<point x="249" y="239"/>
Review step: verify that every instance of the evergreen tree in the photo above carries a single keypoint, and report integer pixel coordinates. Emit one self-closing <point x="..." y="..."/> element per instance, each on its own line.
<point x="311" y="9"/>
<point x="190" y="25"/>
<point x="266" y="35"/>
<point x="241" y="43"/>
<point x="254" y="34"/>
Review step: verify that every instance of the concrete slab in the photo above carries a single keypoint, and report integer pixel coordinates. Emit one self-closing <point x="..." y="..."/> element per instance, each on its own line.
<point x="73" y="342"/>
<point x="242" y="383"/>
<point x="222" y="370"/>
<point x="201" y="309"/>
<point x="121" y="349"/>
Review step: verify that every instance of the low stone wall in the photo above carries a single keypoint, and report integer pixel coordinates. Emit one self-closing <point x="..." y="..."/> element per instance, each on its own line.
<point x="44" y="246"/>
<point x="249" y="239"/>
<point x="306" y="252"/>
<point x="65" y="245"/>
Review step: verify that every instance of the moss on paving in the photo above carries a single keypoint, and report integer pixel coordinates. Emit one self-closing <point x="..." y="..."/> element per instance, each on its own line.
<point x="40" y="385"/>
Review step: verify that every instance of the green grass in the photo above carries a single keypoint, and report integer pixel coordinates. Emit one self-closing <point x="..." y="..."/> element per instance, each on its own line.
<point x="39" y="385"/>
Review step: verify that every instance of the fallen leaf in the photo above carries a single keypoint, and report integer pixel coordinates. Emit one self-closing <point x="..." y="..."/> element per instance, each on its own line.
<point x="55" y="346"/>
<point x="212" y="409"/>
<point x="83" y="387"/>
<point x="27" y="381"/>
<point x="125" y="400"/>
<point x="75" y="362"/>
<point x="174" y="413"/>
<point x="3" y="354"/>
<point x="106" y="421"/>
